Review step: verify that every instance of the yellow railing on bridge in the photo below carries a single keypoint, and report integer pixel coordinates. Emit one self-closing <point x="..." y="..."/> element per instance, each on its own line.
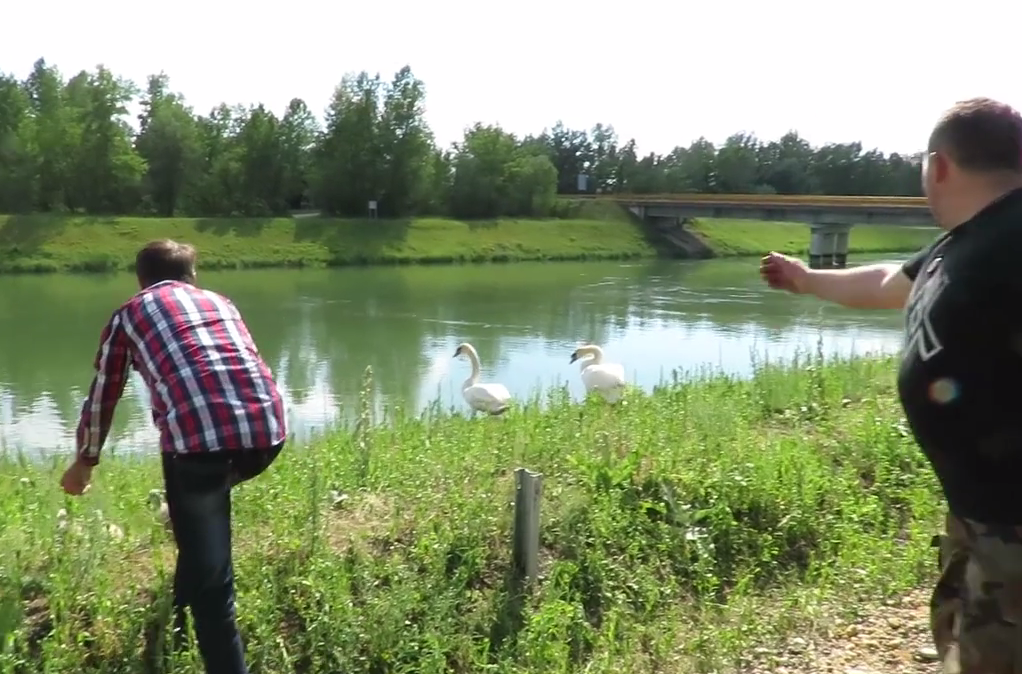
<point x="768" y="200"/>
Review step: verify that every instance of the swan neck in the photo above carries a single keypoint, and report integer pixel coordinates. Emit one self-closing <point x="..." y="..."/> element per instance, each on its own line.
<point x="473" y="357"/>
<point x="595" y="355"/>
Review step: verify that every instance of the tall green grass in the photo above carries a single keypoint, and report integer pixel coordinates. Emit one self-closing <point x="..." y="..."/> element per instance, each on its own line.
<point x="678" y="531"/>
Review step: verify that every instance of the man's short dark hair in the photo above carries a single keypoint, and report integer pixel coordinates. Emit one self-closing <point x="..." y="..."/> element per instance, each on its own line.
<point x="981" y="135"/>
<point x="165" y="260"/>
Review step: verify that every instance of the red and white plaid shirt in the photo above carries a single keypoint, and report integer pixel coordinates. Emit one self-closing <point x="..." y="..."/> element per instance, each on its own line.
<point x="210" y="389"/>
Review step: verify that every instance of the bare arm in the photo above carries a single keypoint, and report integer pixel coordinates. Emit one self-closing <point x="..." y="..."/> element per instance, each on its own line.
<point x="874" y="286"/>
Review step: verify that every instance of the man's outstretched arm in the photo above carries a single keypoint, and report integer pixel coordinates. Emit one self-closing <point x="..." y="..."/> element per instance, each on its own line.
<point x="873" y="286"/>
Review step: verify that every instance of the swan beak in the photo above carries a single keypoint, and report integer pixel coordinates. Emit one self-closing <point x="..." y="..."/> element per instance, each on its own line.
<point x="457" y="353"/>
<point x="574" y="357"/>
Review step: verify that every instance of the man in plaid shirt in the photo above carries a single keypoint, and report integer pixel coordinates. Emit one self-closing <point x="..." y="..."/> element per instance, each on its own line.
<point x="220" y="418"/>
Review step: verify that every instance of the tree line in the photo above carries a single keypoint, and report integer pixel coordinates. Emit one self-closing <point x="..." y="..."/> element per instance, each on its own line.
<point x="68" y="146"/>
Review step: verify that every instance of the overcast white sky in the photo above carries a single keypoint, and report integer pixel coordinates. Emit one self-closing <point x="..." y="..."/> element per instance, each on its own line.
<point x="663" y="72"/>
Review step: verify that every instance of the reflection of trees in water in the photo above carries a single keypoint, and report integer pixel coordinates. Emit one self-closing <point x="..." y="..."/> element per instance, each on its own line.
<point x="51" y="332"/>
<point x="297" y="360"/>
<point x="36" y="426"/>
<point x="318" y="330"/>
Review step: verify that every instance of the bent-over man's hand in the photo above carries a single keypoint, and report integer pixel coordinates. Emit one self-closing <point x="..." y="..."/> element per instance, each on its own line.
<point x="782" y="272"/>
<point x="76" y="478"/>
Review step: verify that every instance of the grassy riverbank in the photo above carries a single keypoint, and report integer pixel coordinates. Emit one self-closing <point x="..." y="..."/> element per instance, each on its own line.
<point x="737" y="238"/>
<point x="677" y="532"/>
<point x="594" y="231"/>
<point x="58" y="243"/>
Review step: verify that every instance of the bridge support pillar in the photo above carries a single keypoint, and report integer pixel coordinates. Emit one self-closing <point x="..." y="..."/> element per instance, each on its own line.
<point x="828" y="246"/>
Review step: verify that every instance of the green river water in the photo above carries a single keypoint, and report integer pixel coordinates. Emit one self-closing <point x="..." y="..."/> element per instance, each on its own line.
<point x="319" y="329"/>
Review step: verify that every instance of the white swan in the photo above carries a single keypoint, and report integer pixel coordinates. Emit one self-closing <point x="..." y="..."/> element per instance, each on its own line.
<point x="65" y="525"/>
<point x="607" y="379"/>
<point x="158" y="502"/>
<point x="490" y="398"/>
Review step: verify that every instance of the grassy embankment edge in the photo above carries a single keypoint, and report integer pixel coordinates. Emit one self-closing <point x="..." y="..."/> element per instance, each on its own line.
<point x="678" y="532"/>
<point x="587" y="231"/>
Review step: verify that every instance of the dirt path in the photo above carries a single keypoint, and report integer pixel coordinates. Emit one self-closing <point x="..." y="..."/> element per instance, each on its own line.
<point x="886" y="639"/>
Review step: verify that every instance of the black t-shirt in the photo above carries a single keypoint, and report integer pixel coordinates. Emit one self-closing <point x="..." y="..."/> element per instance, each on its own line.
<point x="960" y="379"/>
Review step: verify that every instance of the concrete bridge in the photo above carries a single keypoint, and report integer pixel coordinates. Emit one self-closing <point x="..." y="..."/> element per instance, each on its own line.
<point x="829" y="217"/>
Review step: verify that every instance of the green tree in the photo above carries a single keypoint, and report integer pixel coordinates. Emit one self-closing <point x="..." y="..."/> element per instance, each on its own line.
<point x="735" y="167"/>
<point x="349" y="163"/>
<point x="18" y="153"/>
<point x="107" y="170"/>
<point x="220" y="178"/>
<point x="260" y="153"/>
<point x="67" y="146"/>
<point x="299" y="133"/>
<point x="168" y="141"/>
<point x="478" y="189"/>
<point x="405" y="146"/>
<point x="54" y="127"/>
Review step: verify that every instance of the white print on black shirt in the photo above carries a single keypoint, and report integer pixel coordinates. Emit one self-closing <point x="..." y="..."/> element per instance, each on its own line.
<point x="919" y="333"/>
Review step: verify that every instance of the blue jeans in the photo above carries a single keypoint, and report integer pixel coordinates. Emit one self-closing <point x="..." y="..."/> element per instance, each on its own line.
<point x="199" y="500"/>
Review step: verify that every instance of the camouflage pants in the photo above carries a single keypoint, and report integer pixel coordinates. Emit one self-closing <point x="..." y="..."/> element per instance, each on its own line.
<point x="976" y="608"/>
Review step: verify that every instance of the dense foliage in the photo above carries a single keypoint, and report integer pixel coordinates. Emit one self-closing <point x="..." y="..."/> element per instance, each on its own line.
<point x="67" y="145"/>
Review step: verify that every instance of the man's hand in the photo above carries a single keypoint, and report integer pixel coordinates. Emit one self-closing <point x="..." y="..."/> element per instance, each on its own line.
<point x="784" y="273"/>
<point x="76" y="478"/>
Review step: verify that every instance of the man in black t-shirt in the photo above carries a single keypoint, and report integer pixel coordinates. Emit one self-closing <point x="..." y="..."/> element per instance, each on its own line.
<point x="960" y="379"/>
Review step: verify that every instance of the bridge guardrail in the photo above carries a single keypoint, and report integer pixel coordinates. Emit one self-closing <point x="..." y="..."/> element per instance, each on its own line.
<point x="766" y="200"/>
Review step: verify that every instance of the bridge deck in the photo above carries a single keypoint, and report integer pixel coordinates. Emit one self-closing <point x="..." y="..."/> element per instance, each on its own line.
<point x="765" y="200"/>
